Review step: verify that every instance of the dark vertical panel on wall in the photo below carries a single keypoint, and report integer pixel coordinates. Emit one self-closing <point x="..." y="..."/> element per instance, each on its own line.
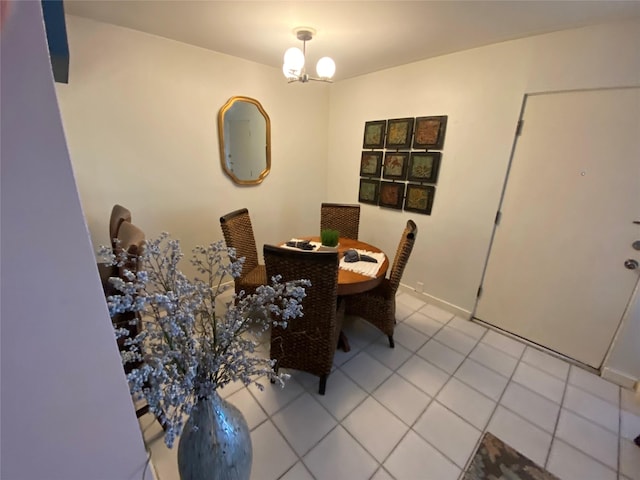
<point x="56" y="28"/>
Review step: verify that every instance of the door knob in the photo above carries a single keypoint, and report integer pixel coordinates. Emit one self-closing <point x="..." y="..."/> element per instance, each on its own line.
<point x="630" y="264"/>
<point x="636" y="245"/>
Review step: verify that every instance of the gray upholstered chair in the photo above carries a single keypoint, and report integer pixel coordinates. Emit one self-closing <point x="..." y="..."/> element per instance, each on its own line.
<point x="378" y="306"/>
<point x="238" y="233"/>
<point x="308" y="343"/>
<point x="132" y="241"/>
<point x="119" y="214"/>
<point x="341" y="217"/>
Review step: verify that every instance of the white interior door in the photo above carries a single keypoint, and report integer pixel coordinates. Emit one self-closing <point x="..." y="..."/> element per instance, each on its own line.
<point x="556" y="272"/>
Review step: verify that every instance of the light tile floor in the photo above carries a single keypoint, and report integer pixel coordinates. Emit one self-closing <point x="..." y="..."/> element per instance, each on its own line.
<point x="418" y="411"/>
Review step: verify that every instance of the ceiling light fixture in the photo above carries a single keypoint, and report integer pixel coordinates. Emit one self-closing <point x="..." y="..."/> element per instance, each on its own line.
<point x="294" y="59"/>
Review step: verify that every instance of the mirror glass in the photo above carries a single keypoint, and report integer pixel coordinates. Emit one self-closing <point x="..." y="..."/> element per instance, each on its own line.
<point x="244" y="130"/>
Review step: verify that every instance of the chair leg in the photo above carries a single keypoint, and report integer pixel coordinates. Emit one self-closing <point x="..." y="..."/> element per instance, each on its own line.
<point x="343" y="342"/>
<point x="275" y="370"/>
<point x="323" y="384"/>
<point x="391" y="342"/>
<point x="144" y="410"/>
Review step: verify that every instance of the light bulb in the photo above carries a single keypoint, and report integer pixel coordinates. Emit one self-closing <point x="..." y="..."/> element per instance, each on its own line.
<point x="326" y="67"/>
<point x="294" y="58"/>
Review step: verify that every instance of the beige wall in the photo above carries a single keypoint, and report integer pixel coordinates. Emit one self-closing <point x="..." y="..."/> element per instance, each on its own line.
<point x="481" y="91"/>
<point x="140" y="116"/>
<point x="482" y="98"/>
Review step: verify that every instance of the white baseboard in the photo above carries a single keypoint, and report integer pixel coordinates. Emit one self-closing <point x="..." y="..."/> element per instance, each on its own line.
<point x="619" y="378"/>
<point x="425" y="297"/>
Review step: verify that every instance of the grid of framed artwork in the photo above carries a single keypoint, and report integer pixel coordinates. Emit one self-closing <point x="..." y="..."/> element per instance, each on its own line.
<point x="399" y="167"/>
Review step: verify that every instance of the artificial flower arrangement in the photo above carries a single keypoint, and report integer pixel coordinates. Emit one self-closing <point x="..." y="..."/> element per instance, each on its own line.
<point x="184" y="350"/>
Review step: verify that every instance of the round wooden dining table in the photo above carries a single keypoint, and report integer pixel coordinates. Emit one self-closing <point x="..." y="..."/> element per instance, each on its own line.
<point x="350" y="283"/>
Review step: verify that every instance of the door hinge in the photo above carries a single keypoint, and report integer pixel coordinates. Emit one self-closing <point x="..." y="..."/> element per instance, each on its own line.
<point x="479" y="291"/>
<point x="498" y="217"/>
<point x="519" y="127"/>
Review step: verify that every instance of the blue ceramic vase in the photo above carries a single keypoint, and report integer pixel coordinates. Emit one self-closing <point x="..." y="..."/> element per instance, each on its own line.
<point x="215" y="443"/>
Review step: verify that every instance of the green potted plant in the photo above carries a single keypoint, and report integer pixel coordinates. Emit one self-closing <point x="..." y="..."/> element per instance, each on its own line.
<point x="329" y="239"/>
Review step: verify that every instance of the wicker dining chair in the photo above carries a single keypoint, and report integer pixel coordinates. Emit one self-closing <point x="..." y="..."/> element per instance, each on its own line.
<point x="119" y="214"/>
<point x="378" y="306"/>
<point x="341" y="217"/>
<point x="308" y="343"/>
<point x="238" y="234"/>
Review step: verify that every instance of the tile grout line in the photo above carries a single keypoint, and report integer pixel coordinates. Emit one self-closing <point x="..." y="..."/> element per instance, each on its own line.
<point x="275" y="425"/>
<point x="433" y="398"/>
<point x="450" y="376"/>
<point x="395" y="371"/>
<point x="485" y="428"/>
<point x="478" y="341"/>
<point x="560" y="405"/>
<point x="305" y="390"/>
<point x="370" y="394"/>
<point x="591" y="421"/>
<point x="578" y="414"/>
<point x="339" y="422"/>
<point x="308" y="388"/>
<point x="555" y="428"/>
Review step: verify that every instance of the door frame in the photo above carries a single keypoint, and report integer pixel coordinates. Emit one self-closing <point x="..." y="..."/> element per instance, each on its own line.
<point x="496" y="223"/>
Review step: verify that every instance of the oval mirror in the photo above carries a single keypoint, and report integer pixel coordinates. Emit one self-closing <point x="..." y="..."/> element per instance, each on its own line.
<point x="244" y="130"/>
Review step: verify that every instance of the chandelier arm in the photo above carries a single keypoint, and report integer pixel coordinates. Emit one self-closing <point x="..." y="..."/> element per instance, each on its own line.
<point x="326" y="80"/>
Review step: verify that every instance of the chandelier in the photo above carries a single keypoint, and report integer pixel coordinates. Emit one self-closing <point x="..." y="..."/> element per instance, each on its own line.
<point x="294" y="60"/>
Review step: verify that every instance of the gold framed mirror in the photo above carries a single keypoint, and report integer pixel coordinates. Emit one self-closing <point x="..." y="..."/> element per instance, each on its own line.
<point x="244" y="132"/>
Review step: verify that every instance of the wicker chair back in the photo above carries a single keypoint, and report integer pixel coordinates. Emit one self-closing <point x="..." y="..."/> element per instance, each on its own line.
<point x="341" y="217"/>
<point x="238" y="233"/>
<point x="307" y="343"/>
<point x="402" y="254"/>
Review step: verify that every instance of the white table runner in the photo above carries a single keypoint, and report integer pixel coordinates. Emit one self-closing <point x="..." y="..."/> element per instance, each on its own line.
<point x="316" y="245"/>
<point x="368" y="269"/>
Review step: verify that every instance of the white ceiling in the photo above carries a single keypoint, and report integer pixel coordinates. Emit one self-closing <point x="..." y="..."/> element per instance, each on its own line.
<point x="361" y="36"/>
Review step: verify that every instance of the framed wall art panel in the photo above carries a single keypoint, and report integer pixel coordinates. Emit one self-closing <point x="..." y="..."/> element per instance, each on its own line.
<point x="374" y="134"/>
<point x="399" y="133"/>
<point x="369" y="191"/>
<point x="429" y="132"/>
<point x="395" y="165"/>
<point x="419" y="198"/>
<point x="391" y="195"/>
<point x="424" y="167"/>
<point x="371" y="164"/>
